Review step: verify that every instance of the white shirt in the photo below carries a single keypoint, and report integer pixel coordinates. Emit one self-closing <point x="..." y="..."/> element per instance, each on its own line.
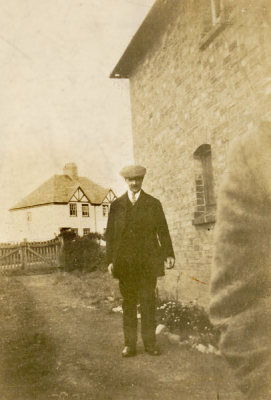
<point x="136" y="195"/>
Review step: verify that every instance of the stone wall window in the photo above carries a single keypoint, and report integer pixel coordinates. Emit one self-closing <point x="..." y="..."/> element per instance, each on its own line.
<point x="216" y="20"/>
<point x="73" y="210"/>
<point x="217" y="7"/>
<point x="204" y="185"/>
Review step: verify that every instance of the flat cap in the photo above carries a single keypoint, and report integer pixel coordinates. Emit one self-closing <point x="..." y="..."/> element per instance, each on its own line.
<point x="133" y="171"/>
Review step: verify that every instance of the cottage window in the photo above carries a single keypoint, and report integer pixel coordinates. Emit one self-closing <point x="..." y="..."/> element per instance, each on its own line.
<point x="105" y="210"/>
<point x="85" y="210"/>
<point x="75" y="230"/>
<point x="86" y="231"/>
<point x="217" y="6"/>
<point x="73" y="210"/>
<point x="205" y="198"/>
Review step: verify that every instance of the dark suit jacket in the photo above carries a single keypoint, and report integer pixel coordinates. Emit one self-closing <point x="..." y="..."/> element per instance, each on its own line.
<point x="155" y="242"/>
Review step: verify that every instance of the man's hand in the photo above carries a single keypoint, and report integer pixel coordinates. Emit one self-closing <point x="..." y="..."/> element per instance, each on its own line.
<point x="110" y="268"/>
<point x="170" y="261"/>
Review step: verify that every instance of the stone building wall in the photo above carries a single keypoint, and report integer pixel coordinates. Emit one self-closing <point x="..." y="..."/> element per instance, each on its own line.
<point x="198" y="84"/>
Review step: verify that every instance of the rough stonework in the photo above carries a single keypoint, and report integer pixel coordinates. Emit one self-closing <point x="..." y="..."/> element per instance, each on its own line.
<point x="199" y="82"/>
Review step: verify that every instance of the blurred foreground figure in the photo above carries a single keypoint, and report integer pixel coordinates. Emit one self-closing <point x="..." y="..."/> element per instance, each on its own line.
<point x="240" y="284"/>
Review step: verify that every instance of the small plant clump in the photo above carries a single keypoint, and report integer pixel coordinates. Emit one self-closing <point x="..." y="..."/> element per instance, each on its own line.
<point x="188" y="320"/>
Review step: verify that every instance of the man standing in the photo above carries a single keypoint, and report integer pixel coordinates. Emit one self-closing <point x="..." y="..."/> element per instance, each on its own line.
<point x="138" y="247"/>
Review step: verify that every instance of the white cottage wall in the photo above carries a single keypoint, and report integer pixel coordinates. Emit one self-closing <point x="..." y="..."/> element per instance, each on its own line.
<point x="44" y="222"/>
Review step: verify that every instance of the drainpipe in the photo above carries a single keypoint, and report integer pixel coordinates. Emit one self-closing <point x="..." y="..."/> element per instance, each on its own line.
<point x="95" y="222"/>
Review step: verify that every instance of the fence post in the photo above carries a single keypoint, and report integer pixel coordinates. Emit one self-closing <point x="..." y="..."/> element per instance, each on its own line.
<point x="24" y="254"/>
<point x="60" y="251"/>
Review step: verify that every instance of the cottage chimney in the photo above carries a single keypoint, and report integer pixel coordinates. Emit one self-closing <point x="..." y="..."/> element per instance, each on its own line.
<point x="71" y="170"/>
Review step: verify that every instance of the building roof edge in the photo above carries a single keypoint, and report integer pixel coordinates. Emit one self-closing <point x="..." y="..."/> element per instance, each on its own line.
<point x="151" y="28"/>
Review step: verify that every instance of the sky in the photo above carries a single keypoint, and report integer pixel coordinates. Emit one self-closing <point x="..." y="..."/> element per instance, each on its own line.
<point x="57" y="103"/>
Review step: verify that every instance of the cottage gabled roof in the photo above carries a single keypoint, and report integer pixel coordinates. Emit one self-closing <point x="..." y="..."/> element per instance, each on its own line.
<point x="94" y="192"/>
<point x="59" y="190"/>
<point x="149" y="31"/>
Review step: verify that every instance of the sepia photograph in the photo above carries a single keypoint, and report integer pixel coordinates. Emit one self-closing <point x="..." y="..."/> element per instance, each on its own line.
<point x="135" y="240"/>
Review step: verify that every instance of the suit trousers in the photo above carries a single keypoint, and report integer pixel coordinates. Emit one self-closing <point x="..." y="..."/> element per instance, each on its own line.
<point x="139" y="289"/>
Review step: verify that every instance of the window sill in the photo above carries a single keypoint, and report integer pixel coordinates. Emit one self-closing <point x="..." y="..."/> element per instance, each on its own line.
<point x="214" y="32"/>
<point x="204" y="219"/>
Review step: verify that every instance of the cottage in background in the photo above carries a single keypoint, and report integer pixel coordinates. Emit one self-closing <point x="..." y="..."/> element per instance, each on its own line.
<point x="63" y="202"/>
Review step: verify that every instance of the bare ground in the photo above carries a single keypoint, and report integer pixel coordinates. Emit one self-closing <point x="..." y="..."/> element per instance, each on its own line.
<point x="59" y="339"/>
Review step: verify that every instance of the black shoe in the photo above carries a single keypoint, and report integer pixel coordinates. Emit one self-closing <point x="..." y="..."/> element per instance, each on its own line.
<point x="153" y="350"/>
<point x="128" y="351"/>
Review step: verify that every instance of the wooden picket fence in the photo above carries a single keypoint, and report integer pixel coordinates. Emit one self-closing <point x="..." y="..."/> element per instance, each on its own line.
<point x="27" y="257"/>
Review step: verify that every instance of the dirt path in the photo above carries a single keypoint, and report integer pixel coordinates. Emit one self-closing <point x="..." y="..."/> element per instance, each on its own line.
<point x="56" y="345"/>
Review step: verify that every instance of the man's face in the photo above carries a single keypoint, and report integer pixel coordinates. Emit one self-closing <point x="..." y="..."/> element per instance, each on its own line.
<point x="135" y="183"/>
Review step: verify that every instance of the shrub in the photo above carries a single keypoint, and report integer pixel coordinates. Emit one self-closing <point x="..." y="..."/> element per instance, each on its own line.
<point x="84" y="254"/>
<point x="188" y="320"/>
